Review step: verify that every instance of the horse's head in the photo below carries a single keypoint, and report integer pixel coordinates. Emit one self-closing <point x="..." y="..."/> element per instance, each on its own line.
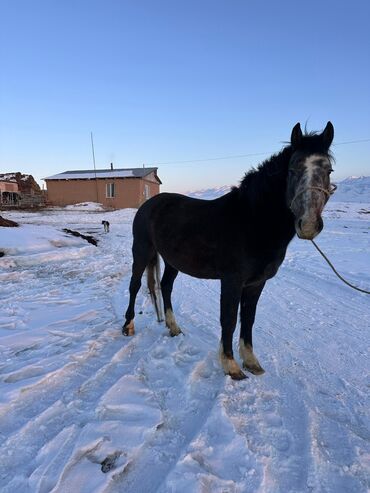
<point x="308" y="187"/>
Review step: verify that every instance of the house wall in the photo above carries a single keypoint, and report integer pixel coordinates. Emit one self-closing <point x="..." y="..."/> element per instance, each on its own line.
<point x="129" y="192"/>
<point x="153" y="189"/>
<point x="9" y="193"/>
<point x="7" y="186"/>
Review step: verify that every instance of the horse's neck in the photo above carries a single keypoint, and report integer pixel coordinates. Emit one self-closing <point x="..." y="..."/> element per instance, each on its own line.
<point x="265" y="199"/>
<point x="272" y="226"/>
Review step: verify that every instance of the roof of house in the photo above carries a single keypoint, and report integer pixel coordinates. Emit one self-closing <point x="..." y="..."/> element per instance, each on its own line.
<point x="5" y="180"/>
<point x="90" y="174"/>
<point x="26" y="183"/>
<point x="10" y="177"/>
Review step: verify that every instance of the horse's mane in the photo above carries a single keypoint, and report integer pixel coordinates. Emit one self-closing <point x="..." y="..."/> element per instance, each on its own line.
<point x="268" y="180"/>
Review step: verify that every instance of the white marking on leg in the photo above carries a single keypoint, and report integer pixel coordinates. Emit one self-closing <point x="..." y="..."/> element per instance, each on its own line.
<point x="250" y="362"/>
<point x="171" y="323"/>
<point x="230" y="366"/>
<point x="130" y="328"/>
<point x="157" y="288"/>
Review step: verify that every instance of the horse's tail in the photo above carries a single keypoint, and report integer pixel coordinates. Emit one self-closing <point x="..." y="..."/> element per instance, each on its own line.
<point x="154" y="285"/>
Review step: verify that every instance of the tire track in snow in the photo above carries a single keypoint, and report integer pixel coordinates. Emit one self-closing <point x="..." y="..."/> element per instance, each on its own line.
<point x="60" y="346"/>
<point x="279" y="426"/>
<point x="313" y="352"/>
<point x="275" y="426"/>
<point x="183" y="419"/>
<point x="186" y="382"/>
<point x="53" y="405"/>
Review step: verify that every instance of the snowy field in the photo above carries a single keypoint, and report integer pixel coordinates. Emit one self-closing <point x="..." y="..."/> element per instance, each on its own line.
<point x="84" y="409"/>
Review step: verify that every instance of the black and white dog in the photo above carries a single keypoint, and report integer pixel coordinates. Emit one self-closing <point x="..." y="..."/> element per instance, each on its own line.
<point x="106" y="226"/>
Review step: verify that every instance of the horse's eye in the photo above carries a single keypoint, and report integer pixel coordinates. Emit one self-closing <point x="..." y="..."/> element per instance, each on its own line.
<point x="330" y="171"/>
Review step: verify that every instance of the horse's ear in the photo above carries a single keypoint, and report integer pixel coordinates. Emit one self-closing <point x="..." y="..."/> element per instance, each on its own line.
<point x="328" y="134"/>
<point x="296" y="136"/>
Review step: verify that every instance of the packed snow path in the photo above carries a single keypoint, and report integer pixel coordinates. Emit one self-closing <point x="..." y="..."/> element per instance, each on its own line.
<point x="84" y="409"/>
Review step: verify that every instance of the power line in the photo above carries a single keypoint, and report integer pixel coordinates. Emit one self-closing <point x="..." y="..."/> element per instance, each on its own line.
<point x="351" y="142"/>
<point x="239" y="156"/>
<point x="214" y="158"/>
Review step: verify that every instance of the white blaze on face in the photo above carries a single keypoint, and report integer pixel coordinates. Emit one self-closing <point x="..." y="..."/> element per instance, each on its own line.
<point x="313" y="200"/>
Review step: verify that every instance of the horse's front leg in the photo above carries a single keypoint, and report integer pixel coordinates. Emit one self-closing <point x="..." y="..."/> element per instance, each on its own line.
<point x="230" y="298"/>
<point x="248" y="305"/>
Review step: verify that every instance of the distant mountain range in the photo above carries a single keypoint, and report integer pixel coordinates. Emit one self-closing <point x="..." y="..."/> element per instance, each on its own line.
<point x="210" y="193"/>
<point x="352" y="189"/>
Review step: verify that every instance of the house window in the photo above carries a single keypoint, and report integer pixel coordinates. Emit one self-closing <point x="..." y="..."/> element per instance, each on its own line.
<point x="110" y="192"/>
<point x="146" y="192"/>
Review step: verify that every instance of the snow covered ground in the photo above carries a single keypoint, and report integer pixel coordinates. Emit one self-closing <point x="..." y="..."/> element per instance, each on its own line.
<point x="84" y="409"/>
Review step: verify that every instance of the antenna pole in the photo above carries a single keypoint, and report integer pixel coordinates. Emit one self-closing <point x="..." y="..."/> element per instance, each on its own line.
<point x="93" y="155"/>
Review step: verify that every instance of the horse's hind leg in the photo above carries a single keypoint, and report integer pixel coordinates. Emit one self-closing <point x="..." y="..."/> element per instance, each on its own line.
<point x="153" y="271"/>
<point x="167" y="281"/>
<point x="248" y="305"/>
<point x="142" y="257"/>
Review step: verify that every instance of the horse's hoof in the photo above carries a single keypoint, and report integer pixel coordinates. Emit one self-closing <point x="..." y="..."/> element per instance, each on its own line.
<point x="256" y="370"/>
<point x="175" y="332"/>
<point x="128" y="329"/>
<point x="238" y="375"/>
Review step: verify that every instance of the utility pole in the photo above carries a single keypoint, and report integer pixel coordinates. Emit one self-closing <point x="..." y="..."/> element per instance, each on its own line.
<point x="93" y="155"/>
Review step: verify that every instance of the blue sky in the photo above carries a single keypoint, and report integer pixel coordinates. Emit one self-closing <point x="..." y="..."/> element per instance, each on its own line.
<point x="168" y="81"/>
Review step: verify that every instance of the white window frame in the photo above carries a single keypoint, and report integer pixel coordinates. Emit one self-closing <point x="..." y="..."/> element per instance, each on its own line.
<point x="110" y="190"/>
<point x="146" y="191"/>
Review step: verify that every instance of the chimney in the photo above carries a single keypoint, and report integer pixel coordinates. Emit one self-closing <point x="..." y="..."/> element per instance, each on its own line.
<point x="111" y="166"/>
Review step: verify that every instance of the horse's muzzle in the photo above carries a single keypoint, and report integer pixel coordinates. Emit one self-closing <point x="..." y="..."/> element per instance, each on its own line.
<point x="309" y="229"/>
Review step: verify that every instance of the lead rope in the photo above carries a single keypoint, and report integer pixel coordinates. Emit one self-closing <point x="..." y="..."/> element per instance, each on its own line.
<point x="328" y="193"/>
<point x="337" y="273"/>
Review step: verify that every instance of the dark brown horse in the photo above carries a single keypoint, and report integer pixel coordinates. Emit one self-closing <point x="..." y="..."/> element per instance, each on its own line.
<point x="240" y="238"/>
